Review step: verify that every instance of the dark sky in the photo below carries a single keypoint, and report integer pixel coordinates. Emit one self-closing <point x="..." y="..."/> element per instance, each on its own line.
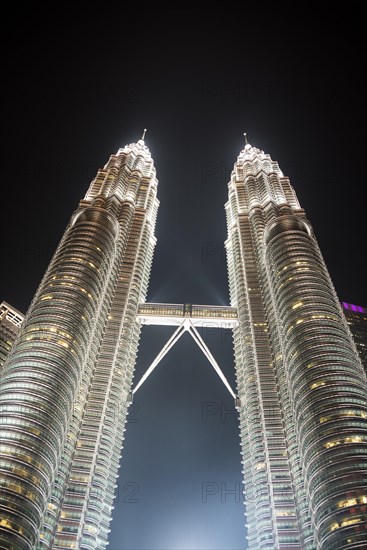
<point x="197" y="79"/>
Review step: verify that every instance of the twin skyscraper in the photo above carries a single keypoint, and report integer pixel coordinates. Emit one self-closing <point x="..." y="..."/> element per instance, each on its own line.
<point x="301" y="393"/>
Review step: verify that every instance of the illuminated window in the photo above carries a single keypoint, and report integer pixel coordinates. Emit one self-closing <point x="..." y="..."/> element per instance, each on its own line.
<point x="350" y="439"/>
<point x="344" y="523"/>
<point x="317" y="384"/>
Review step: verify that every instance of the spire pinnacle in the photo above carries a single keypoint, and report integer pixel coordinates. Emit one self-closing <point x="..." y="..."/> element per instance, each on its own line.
<point x="245" y="134"/>
<point x="143" y="136"/>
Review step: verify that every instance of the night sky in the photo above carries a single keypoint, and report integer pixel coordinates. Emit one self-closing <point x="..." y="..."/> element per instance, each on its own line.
<point x="197" y="79"/>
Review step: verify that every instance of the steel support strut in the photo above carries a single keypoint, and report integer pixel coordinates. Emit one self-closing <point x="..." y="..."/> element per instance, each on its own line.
<point x="185" y="326"/>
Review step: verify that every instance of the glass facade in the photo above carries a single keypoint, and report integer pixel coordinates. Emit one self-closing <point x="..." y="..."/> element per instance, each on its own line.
<point x="302" y="390"/>
<point x="65" y="387"/>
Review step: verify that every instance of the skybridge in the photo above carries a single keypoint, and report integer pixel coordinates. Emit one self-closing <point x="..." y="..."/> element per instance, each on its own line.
<point x="200" y="316"/>
<point x="187" y="318"/>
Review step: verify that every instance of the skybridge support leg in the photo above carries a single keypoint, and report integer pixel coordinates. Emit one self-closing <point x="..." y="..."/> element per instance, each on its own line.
<point x="204" y="348"/>
<point x="168" y="345"/>
<point x="186" y="325"/>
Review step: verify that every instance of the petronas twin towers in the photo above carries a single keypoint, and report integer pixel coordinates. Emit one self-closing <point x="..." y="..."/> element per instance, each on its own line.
<point x="66" y="384"/>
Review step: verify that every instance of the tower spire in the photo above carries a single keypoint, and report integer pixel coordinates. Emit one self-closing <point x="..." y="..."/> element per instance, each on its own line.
<point x="143" y="136"/>
<point x="245" y="134"/>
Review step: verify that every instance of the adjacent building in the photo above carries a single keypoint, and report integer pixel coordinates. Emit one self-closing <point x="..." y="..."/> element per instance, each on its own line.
<point x="10" y="322"/>
<point x="357" y="321"/>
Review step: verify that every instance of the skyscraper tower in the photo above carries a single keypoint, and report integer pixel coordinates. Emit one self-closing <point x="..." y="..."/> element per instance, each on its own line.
<point x="302" y="391"/>
<point x="65" y="388"/>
